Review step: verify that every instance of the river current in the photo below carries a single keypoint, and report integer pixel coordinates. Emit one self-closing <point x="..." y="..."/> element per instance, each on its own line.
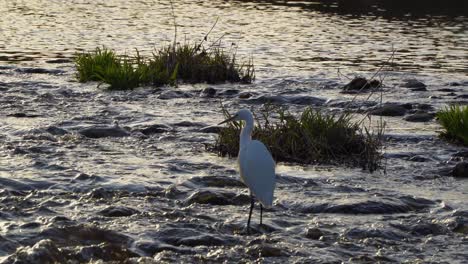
<point x="152" y="193"/>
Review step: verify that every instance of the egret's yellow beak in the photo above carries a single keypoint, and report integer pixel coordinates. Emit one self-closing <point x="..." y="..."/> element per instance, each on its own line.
<point x="228" y="120"/>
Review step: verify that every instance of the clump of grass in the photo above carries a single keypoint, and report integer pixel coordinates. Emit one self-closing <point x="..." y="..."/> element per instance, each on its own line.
<point x="186" y="63"/>
<point x="89" y="64"/>
<point x="313" y="137"/>
<point x="454" y="120"/>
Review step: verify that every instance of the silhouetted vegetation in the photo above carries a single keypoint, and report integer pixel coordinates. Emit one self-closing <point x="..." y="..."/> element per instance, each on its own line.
<point x="454" y="120"/>
<point x="313" y="137"/>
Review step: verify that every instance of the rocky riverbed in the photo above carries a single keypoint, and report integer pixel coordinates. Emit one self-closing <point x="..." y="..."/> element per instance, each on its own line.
<point x="91" y="175"/>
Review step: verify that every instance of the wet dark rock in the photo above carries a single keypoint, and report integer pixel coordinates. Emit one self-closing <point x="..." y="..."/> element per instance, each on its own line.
<point x="173" y="95"/>
<point x="56" y="131"/>
<point x="454" y="84"/>
<point x="208" y="92"/>
<point x="462" y="96"/>
<point x="217" y="198"/>
<point x="425" y="229"/>
<point x="388" y="206"/>
<point x="39" y="70"/>
<point x="31" y="225"/>
<point x="446" y="90"/>
<point x="460" y="170"/>
<point x="352" y="105"/>
<point x="211" y="129"/>
<point x="154" y="129"/>
<point x="314" y="233"/>
<point x="189" y="124"/>
<point x="104" y="252"/>
<point x="245" y="95"/>
<point x="99" y="193"/>
<point x="360" y="83"/>
<point x="202" y="240"/>
<point x="229" y="92"/>
<point x="100" y="132"/>
<point x="57" y="61"/>
<point x="463" y="154"/>
<point x="266" y="250"/>
<point x="420" y="117"/>
<point x="362" y="233"/>
<point x="217" y="181"/>
<point x="389" y="110"/>
<point x="151" y="248"/>
<point x="414" y="84"/>
<point x="307" y="100"/>
<point x="14" y="185"/>
<point x="264" y="99"/>
<point x="21" y="114"/>
<point x="44" y="251"/>
<point x="7" y="246"/>
<point x="118" y="211"/>
<point x="77" y="234"/>
<point x="418" y="158"/>
<point x="85" y="177"/>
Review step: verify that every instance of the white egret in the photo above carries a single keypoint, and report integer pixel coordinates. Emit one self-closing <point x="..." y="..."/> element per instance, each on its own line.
<point x="256" y="166"/>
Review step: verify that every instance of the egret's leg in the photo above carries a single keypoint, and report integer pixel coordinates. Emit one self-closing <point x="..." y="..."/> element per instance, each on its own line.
<point x="261" y="213"/>
<point x="250" y="213"/>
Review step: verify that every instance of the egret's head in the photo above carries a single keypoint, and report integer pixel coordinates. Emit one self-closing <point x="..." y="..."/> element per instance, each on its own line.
<point x="243" y="114"/>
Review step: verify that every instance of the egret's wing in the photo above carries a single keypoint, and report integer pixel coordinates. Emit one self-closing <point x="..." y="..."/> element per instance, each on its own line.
<point x="257" y="169"/>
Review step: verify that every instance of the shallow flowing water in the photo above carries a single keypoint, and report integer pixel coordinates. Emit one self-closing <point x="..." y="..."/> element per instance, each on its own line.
<point x="152" y="192"/>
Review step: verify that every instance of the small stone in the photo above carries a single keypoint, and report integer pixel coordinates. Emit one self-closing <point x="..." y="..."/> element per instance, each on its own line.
<point x="173" y="95"/>
<point x="56" y="131"/>
<point x="245" y="95"/>
<point x="100" y="132"/>
<point x="211" y="129"/>
<point x="155" y="129"/>
<point x="265" y="250"/>
<point x="360" y="83"/>
<point x="208" y="92"/>
<point x="314" y="233"/>
<point x="230" y="92"/>
<point x="118" y="211"/>
<point x="413" y="83"/>
<point x="460" y="170"/>
<point x="418" y="159"/>
<point x="419" y="117"/>
<point x="389" y="110"/>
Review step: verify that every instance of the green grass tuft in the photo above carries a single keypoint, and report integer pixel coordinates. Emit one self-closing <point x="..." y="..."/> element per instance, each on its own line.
<point x="454" y="120"/>
<point x="313" y="137"/>
<point x="186" y="63"/>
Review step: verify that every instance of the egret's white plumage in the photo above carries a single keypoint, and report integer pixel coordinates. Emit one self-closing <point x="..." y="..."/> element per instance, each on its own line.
<point x="256" y="166"/>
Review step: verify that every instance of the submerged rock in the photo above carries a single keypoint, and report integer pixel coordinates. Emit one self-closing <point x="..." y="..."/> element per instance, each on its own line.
<point x="39" y="70"/>
<point x="360" y="83"/>
<point x="307" y="100"/>
<point x="314" y="233"/>
<point x="44" y="251"/>
<point x="460" y="170"/>
<point x="266" y="250"/>
<point x="154" y="129"/>
<point x="389" y="110"/>
<point x="173" y="95"/>
<point x="100" y="132"/>
<point x="118" y="211"/>
<point x="56" y="131"/>
<point x="420" y="117"/>
<point x="211" y="129"/>
<point x="217" y="198"/>
<point x="208" y="92"/>
<point x="413" y="84"/>
<point x="217" y="181"/>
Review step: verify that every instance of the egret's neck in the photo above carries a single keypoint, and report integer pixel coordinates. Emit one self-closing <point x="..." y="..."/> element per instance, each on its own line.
<point x="246" y="133"/>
